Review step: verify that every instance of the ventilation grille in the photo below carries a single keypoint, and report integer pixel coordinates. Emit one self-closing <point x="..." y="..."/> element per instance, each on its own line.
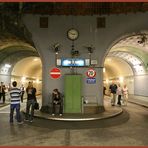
<point x="101" y="22"/>
<point x="43" y="22"/>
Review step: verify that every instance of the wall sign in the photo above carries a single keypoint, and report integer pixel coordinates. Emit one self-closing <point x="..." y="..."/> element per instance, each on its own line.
<point x="55" y="73"/>
<point x="91" y="80"/>
<point x="91" y="73"/>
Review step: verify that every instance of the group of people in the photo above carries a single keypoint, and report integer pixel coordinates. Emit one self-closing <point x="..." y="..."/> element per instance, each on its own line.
<point x="121" y="93"/>
<point x="15" y="99"/>
<point x="3" y="90"/>
<point x="16" y="96"/>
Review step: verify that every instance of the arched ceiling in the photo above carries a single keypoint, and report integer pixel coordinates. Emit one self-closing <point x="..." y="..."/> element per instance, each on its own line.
<point x="115" y="67"/>
<point x="133" y="50"/>
<point x="13" y="49"/>
<point x="8" y="42"/>
<point x="30" y="67"/>
<point x="138" y="41"/>
<point x="138" y="52"/>
<point x="135" y="62"/>
<point x="134" y="44"/>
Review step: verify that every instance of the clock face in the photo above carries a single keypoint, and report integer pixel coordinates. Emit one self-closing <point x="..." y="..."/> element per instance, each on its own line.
<point x="72" y="34"/>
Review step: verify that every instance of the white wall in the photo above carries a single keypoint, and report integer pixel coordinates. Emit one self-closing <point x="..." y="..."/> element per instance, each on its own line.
<point x="5" y="79"/>
<point x="141" y="85"/>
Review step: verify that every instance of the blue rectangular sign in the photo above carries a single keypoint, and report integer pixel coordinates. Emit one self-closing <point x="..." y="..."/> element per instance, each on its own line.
<point x="91" y="80"/>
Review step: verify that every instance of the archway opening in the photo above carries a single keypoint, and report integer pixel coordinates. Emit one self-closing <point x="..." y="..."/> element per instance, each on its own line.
<point x="26" y="70"/>
<point x="127" y="63"/>
<point x="19" y="61"/>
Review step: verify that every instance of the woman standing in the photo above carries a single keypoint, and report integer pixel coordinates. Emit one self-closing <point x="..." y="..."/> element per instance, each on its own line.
<point x="119" y="93"/>
<point x="125" y="94"/>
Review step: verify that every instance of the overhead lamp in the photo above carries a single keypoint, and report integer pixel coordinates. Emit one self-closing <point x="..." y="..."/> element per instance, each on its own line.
<point x="7" y="65"/>
<point x="37" y="80"/>
<point x="121" y="79"/>
<point x="107" y="81"/>
<point x="56" y="47"/>
<point x="35" y="59"/>
<point x="23" y="79"/>
<point x="142" y="39"/>
<point x="90" y="49"/>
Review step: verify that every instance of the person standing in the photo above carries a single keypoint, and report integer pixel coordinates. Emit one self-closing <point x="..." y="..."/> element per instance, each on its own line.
<point x="125" y="94"/>
<point x="104" y="89"/>
<point x="15" y="97"/>
<point x="31" y="100"/>
<point x="22" y="92"/>
<point x="113" y="89"/>
<point x="2" y="91"/>
<point x="119" y="93"/>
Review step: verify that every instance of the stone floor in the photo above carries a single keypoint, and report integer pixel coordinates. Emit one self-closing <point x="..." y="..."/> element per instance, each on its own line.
<point x="127" y="129"/>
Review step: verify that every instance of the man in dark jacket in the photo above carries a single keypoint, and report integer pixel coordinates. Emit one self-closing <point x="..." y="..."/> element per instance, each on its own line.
<point x="113" y="89"/>
<point x="31" y="100"/>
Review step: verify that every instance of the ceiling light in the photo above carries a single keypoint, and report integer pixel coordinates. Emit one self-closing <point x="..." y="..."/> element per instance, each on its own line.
<point x="23" y="79"/>
<point x="121" y="79"/>
<point x="35" y="59"/>
<point x="7" y="65"/>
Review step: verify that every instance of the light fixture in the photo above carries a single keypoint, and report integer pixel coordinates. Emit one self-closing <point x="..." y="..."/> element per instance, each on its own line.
<point x="35" y="59"/>
<point x="23" y="79"/>
<point x="90" y="49"/>
<point x="143" y="39"/>
<point x="37" y="81"/>
<point x="56" y="47"/>
<point x="7" y="66"/>
<point x="107" y="81"/>
<point x="121" y="79"/>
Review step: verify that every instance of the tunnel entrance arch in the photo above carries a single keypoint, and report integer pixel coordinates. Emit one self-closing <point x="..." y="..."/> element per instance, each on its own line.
<point x="31" y="72"/>
<point x="14" y="51"/>
<point x="133" y="52"/>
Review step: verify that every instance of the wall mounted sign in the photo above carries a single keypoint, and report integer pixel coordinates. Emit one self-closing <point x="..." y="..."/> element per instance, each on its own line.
<point x="55" y="73"/>
<point x="91" y="73"/>
<point x="91" y="80"/>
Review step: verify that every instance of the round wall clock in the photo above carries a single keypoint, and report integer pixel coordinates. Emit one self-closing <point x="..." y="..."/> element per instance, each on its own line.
<point x="72" y="34"/>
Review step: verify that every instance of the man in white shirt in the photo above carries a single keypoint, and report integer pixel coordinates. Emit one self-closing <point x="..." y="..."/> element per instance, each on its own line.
<point x="15" y="97"/>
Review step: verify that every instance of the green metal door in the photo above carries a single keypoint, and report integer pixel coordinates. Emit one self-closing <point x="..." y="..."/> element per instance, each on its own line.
<point x="72" y="93"/>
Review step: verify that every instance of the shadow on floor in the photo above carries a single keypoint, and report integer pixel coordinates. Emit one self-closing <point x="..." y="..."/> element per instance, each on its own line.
<point x="52" y="124"/>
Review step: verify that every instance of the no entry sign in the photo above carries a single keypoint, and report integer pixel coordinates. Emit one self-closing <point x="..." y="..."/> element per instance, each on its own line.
<point x="55" y="73"/>
<point x="91" y="73"/>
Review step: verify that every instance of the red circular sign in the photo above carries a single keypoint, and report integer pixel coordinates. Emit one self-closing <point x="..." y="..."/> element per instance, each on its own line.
<point x="91" y="73"/>
<point x="55" y="73"/>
